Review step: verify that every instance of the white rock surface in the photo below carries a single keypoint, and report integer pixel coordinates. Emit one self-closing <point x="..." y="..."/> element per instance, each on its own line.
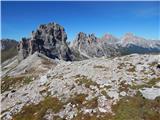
<point x="150" y="93"/>
<point x="107" y="79"/>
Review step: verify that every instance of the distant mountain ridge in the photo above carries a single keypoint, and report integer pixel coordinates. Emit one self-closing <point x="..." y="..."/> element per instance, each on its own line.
<point x="8" y="49"/>
<point x="109" y="45"/>
<point x="51" y="40"/>
<point x="129" y="38"/>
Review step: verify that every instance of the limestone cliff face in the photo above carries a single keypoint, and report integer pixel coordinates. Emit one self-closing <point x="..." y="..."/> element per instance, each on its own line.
<point x="49" y="39"/>
<point x="91" y="46"/>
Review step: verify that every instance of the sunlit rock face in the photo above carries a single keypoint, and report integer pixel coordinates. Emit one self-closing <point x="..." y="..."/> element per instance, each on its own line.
<point x="49" y="39"/>
<point x="90" y="46"/>
<point x="131" y="43"/>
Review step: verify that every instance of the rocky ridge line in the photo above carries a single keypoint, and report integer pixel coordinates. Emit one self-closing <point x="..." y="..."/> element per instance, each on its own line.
<point x="50" y="40"/>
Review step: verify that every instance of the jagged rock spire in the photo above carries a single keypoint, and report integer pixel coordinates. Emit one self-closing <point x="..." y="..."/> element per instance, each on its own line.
<point x="49" y="39"/>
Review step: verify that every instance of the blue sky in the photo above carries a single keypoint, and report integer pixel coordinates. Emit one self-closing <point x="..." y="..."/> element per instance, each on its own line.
<point x="117" y="18"/>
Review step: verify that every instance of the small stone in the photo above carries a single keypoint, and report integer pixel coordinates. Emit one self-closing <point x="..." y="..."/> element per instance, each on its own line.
<point x="102" y="110"/>
<point x="150" y="93"/>
<point x="123" y="93"/>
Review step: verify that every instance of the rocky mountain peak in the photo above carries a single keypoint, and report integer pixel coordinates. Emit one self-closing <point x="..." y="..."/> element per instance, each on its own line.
<point x="84" y="37"/>
<point x="81" y="36"/>
<point x="109" y="38"/>
<point x="49" y="39"/>
<point x="129" y="34"/>
<point x="92" y="37"/>
<point x="128" y="37"/>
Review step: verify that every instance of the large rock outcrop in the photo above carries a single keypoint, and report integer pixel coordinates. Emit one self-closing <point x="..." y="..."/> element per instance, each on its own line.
<point x="49" y="39"/>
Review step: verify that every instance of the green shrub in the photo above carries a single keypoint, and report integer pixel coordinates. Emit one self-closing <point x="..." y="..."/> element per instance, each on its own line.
<point x="12" y="82"/>
<point x="137" y="108"/>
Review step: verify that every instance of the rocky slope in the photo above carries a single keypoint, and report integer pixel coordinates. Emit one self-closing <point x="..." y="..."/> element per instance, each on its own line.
<point x="117" y="88"/>
<point x="31" y="66"/>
